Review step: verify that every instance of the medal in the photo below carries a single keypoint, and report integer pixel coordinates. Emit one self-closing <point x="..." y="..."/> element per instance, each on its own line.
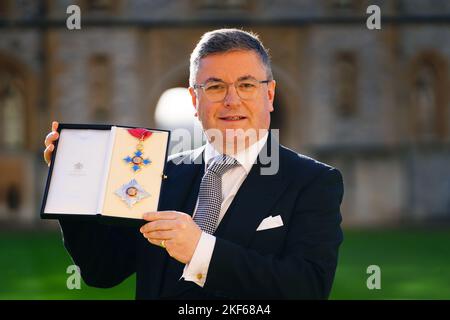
<point x="131" y="193"/>
<point x="137" y="161"/>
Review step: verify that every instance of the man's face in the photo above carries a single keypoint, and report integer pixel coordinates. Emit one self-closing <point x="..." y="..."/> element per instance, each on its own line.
<point x="229" y="67"/>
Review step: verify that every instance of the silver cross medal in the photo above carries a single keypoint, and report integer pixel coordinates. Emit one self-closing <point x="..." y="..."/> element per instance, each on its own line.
<point x="131" y="193"/>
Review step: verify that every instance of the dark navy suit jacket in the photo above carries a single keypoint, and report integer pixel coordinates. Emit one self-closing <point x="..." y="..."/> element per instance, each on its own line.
<point x="295" y="261"/>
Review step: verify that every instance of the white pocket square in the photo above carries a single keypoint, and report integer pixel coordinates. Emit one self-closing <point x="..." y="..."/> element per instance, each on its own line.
<point x="270" y="223"/>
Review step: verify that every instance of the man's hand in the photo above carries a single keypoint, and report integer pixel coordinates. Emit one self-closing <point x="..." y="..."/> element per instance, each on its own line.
<point x="179" y="232"/>
<point x="49" y="139"/>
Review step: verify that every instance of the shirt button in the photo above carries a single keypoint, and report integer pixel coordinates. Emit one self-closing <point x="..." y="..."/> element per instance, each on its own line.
<point x="199" y="276"/>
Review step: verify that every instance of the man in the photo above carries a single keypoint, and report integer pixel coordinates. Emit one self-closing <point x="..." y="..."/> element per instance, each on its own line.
<point x="225" y="229"/>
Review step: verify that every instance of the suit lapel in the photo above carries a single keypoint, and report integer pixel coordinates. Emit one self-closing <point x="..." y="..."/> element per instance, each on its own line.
<point x="182" y="180"/>
<point x="253" y="202"/>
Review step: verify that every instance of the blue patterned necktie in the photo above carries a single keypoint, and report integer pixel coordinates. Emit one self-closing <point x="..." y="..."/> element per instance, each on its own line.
<point x="210" y="193"/>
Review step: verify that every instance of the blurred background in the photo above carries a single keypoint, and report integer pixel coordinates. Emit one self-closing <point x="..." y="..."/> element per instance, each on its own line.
<point x="373" y="103"/>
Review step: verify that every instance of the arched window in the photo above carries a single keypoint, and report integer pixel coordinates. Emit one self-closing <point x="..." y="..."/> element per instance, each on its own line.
<point x="13" y="197"/>
<point x="17" y="93"/>
<point x="5" y="8"/>
<point x="100" y="87"/>
<point x="12" y="111"/>
<point x="424" y="93"/>
<point x="345" y="84"/>
<point x="428" y="99"/>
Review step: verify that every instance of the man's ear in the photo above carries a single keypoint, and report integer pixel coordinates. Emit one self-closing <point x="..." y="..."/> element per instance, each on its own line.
<point x="193" y="99"/>
<point x="271" y="92"/>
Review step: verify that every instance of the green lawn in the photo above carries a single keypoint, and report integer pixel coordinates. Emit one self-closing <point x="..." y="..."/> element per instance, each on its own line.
<point x="414" y="265"/>
<point x="33" y="266"/>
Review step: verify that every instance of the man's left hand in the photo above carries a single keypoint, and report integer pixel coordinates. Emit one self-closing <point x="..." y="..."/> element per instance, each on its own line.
<point x="178" y="231"/>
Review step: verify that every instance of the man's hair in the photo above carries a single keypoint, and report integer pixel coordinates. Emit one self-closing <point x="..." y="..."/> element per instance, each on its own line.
<point x="226" y="40"/>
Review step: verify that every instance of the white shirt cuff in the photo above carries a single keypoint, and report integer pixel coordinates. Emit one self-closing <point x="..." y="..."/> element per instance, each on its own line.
<point x="197" y="269"/>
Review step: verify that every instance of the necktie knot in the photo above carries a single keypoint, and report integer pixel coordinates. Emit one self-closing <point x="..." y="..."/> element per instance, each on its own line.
<point x="222" y="164"/>
<point x="210" y="193"/>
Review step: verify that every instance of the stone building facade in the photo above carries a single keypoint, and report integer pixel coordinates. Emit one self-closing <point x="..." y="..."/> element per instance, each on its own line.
<point x="374" y="103"/>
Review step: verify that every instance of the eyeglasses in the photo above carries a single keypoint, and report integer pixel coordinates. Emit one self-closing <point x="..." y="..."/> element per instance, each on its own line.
<point x="216" y="91"/>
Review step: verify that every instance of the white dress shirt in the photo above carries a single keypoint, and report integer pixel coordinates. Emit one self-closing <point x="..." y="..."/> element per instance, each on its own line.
<point x="197" y="269"/>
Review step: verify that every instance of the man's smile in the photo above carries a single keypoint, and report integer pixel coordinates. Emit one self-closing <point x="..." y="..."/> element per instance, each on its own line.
<point x="233" y="118"/>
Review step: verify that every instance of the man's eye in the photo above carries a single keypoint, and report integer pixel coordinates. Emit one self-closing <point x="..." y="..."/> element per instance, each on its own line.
<point x="215" y="87"/>
<point x="247" y="85"/>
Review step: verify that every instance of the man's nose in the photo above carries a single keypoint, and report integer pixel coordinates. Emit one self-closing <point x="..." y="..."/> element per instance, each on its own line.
<point x="232" y="97"/>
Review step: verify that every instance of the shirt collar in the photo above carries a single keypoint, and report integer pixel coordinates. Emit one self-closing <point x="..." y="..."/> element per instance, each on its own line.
<point x="246" y="157"/>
